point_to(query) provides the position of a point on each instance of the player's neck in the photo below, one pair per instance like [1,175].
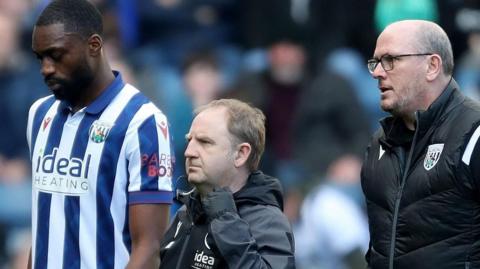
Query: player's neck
[100,83]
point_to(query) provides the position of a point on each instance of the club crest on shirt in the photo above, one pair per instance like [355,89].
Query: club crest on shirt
[99,131]
[433,155]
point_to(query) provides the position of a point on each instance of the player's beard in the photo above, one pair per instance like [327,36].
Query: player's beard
[72,89]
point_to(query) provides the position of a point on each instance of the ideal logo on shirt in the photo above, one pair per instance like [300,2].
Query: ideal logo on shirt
[56,174]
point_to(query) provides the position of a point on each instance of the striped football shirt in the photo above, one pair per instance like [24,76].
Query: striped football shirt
[87,168]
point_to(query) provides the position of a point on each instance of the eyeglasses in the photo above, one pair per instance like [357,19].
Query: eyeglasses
[387,61]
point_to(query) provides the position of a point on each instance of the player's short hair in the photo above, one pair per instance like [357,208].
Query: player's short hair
[77,16]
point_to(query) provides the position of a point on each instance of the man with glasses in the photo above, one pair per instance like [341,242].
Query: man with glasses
[421,174]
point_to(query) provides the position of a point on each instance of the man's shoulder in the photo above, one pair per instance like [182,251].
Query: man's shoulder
[259,213]
[41,100]
[471,107]
[150,105]
[45,102]
[463,117]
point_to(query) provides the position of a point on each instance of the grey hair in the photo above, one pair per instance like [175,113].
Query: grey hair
[246,123]
[433,39]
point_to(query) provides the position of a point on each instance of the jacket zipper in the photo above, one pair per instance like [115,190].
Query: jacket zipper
[184,246]
[398,197]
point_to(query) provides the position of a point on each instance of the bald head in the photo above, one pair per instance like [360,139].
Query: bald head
[425,37]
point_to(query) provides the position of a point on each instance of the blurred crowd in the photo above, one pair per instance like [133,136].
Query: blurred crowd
[303,62]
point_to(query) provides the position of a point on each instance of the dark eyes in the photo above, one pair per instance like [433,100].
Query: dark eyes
[200,140]
[55,56]
[204,141]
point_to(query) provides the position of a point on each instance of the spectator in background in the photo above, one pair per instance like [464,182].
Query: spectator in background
[276,91]
[332,232]
[309,123]
[330,122]
[468,68]
[163,31]
[18,73]
[350,65]
[318,25]
[202,78]
[202,82]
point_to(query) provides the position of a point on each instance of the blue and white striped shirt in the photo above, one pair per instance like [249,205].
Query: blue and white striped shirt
[87,168]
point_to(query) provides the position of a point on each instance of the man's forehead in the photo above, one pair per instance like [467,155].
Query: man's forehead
[210,120]
[50,35]
[393,41]
[55,30]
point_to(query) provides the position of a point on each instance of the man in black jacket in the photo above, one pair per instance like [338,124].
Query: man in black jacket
[421,172]
[233,218]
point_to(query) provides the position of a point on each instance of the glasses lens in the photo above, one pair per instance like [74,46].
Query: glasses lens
[371,64]
[387,62]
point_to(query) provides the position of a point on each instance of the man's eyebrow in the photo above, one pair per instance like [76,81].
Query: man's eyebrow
[49,50]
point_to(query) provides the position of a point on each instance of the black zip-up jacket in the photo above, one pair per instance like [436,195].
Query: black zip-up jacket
[422,188]
[258,236]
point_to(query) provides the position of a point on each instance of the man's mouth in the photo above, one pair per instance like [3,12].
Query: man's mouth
[384,88]
[52,83]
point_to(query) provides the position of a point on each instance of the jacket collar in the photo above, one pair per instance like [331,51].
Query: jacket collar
[259,189]
[395,131]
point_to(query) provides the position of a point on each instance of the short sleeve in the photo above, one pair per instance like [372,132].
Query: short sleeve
[149,161]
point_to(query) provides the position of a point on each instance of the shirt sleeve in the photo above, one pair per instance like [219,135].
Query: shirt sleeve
[149,159]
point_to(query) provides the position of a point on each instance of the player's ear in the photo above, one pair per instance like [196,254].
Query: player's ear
[95,44]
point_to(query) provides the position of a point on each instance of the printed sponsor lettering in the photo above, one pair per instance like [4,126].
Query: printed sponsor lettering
[158,167]
[202,260]
[57,174]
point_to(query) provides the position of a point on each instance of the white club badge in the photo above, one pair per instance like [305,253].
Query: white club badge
[433,155]
[99,131]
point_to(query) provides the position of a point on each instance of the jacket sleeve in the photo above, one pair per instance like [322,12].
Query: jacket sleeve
[471,159]
[261,238]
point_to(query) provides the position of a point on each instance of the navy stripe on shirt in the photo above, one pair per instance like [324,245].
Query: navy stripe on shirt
[148,141]
[106,179]
[71,250]
[44,199]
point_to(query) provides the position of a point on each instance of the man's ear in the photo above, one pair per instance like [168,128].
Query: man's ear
[434,67]
[95,44]
[242,153]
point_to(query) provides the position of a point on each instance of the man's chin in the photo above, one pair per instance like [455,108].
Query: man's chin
[58,92]
[193,179]
[387,106]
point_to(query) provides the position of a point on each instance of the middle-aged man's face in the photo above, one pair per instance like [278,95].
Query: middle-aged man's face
[209,157]
[63,58]
[401,87]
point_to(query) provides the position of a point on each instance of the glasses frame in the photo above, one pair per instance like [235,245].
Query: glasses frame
[387,60]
